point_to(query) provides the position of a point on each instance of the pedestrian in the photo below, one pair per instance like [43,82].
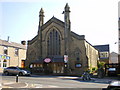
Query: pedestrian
[101,73]
[31,67]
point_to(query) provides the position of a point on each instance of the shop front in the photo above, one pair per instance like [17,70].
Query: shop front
[53,65]
[4,61]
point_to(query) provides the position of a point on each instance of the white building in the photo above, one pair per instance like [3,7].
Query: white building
[113,57]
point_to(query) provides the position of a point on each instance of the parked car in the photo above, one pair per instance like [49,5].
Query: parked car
[112,72]
[114,85]
[16,71]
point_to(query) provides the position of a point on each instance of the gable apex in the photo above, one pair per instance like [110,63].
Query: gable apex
[55,20]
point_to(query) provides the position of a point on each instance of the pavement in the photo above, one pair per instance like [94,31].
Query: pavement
[14,85]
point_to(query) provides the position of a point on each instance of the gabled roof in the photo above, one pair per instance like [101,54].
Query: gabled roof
[12,44]
[33,40]
[61,23]
[55,20]
[80,37]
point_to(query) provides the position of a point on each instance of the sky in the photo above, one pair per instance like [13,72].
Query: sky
[96,19]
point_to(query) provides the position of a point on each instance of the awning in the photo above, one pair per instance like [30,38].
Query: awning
[53,59]
[37,61]
[58,59]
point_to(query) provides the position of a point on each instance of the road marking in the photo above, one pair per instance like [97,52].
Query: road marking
[67,77]
[44,86]
[8,83]
[52,86]
[26,85]
[38,85]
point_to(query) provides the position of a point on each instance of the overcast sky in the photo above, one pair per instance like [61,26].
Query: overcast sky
[96,19]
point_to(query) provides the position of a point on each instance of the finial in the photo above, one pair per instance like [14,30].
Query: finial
[67,8]
[67,5]
[41,12]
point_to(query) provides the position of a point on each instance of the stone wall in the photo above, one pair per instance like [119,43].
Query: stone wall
[92,55]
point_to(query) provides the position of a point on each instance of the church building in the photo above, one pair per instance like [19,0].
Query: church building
[56,49]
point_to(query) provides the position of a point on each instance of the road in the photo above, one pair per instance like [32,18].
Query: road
[54,82]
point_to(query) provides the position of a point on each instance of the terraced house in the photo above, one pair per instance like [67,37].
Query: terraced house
[12,54]
[56,49]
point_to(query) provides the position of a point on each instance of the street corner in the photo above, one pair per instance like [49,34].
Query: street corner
[14,85]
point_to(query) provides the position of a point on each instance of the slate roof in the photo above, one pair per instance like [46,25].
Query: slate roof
[102,48]
[12,44]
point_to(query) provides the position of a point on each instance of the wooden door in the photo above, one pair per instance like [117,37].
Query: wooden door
[23,63]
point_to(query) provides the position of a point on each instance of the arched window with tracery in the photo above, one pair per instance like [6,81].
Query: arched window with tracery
[53,43]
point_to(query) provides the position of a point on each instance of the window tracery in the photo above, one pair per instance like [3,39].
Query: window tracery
[53,43]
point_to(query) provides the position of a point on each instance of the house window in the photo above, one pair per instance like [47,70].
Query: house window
[5,50]
[5,63]
[16,51]
[78,59]
[0,62]
[53,43]
[104,55]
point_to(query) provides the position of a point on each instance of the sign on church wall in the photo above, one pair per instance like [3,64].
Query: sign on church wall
[65,58]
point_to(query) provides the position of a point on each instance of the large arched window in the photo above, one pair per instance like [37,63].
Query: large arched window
[53,43]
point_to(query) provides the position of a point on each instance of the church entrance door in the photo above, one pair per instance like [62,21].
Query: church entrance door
[47,68]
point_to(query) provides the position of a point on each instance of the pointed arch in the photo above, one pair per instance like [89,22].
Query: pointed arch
[49,30]
[53,43]
[78,53]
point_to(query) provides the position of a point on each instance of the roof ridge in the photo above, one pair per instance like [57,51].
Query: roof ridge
[12,44]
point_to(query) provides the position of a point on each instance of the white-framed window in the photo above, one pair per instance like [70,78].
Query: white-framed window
[0,60]
[5,63]
[16,51]
[104,55]
[6,50]
[0,63]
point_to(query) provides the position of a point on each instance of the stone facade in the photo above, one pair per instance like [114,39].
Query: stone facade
[55,39]
[11,54]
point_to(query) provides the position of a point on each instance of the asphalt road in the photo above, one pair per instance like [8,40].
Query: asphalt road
[54,82]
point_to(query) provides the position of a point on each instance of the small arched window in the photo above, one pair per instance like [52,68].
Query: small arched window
[77,54]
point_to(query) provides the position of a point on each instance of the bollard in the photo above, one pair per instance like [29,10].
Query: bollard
[17,78]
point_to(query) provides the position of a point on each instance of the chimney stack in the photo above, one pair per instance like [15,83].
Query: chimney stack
[8,39]
[23,42]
